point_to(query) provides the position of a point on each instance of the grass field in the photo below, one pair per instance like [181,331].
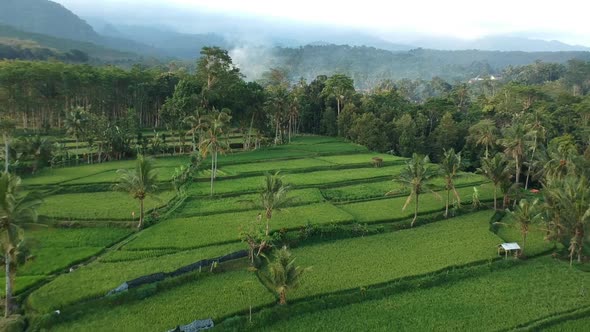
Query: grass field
[203,205]
[99,205]
[391,208]
[184,233]
[361,262]
[578,325]
[55,249]
[537,288]
[317,178]
[208,297]
[98,278]
[333,185]
[378,189]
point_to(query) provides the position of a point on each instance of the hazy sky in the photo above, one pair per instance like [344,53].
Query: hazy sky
[546,19]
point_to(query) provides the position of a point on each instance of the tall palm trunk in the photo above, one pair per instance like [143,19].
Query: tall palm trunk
[249,141]
[448,199]
[140,225]
[77,150]
[495,197]
[268,217]
[415,211]
[8,285]
[528,175]
[517,161]
[212,172]
[282,298]
[6,148]
[524,236]
[580,236]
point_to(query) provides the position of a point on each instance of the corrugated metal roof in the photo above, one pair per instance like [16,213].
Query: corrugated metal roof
[510,246]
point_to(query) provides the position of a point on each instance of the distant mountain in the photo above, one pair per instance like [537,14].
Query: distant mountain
[499,43]
[96,53]
[46,17]
[52,19]
[168,42]
[368,65]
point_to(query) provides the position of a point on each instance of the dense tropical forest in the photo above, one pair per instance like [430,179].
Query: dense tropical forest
[110,109]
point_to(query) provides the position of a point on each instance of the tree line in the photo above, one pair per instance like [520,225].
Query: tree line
[109,108]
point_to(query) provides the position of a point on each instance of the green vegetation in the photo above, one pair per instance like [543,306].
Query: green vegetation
[415,252]
[98,278]
[212,296]
[391,208]
[186,233]
[473,304]
[55,249]
[99,205]
[298,180]
[328,204]
[378,189]
[204,205]
[578,325]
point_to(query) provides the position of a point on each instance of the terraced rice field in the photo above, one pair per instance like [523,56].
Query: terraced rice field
[362,243]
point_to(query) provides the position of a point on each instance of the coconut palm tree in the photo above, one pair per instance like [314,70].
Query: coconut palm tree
[15,210]
[450,166]
[139,182]
[283,274]
[214,142]
[7,127]
[273,196]
[526,214]
[536,132]
[18,257]
[572,195]
[415,176]
[484,133]
[514,143]
[496,170]
[197,125]
[75,123]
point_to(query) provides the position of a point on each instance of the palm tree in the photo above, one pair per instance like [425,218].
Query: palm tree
[537,132]
[283,274]
[572,195]
[18,257]
[526,214]
[7,127]
[213,142]
[196,122]
[139,182]
[450,166]
[514,143]
[496,170]
[273,196]
[75,123]
[415,176]
[277,105]
[484,134]
[15,210]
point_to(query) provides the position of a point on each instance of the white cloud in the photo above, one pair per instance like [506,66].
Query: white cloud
[564,19]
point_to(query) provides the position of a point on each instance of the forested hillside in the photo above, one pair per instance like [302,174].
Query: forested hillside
[368,66]
[96,54]
[46,17]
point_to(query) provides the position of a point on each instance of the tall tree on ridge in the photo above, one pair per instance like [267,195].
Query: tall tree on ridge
[139,182]
[214,141]
[15,211]
[415,176]
[450,165]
